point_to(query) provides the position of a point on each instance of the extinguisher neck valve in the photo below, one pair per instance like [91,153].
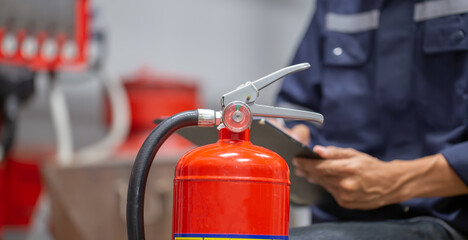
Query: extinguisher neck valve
[226,134]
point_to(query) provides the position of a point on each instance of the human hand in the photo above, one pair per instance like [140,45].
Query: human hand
[301,133]
[355,179]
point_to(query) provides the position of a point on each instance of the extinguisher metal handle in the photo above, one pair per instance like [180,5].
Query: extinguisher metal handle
[273,77]
[249,92]
[287,113]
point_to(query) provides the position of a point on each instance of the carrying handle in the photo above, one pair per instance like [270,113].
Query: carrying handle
[248,93]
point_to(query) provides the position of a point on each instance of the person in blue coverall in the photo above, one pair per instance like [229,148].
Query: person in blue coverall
[391,79]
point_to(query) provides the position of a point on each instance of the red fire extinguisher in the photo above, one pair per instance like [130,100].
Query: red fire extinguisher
[231,189]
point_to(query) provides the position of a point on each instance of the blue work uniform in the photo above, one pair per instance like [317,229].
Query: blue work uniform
[391,79]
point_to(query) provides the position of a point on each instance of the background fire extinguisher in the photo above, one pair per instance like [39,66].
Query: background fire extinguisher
[231,189]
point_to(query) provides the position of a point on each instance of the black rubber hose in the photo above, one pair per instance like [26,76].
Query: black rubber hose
[141,167]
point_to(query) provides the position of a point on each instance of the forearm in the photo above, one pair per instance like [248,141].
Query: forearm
[430,176]
[359,181]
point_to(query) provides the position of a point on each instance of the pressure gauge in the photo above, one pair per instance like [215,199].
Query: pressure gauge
[237,116]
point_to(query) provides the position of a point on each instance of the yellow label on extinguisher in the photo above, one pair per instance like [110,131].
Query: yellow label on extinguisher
[226,237]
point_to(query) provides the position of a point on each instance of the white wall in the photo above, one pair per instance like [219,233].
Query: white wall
[221,42]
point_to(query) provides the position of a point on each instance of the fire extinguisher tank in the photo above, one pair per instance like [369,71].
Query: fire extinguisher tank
[231,189]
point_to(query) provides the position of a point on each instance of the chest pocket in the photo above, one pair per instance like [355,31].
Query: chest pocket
[446,34]
[346,82]
[348,38]
[342,49]
[441,92]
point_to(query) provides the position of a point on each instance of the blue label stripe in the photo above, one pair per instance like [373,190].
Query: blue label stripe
[229,236]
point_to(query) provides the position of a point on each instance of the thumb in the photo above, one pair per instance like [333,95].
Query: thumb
[301,133]
[332,152]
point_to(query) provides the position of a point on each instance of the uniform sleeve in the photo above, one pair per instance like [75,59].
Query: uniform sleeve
[302,90]
[457,157]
